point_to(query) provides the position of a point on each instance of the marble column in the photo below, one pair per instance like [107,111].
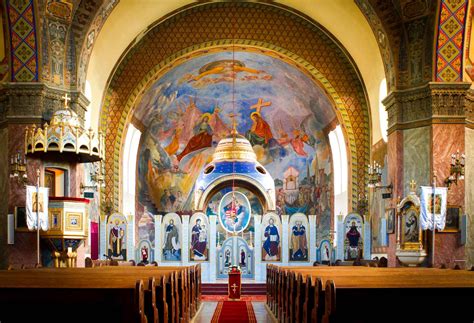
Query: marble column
[260,272]
[285,240]
[212,250]
[185,240]
[469,197]
[312,239]
[158,248]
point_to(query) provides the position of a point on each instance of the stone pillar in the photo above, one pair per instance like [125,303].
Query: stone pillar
[212,249]
[260,272]
[158,248]
[285,240]
[312,238]
[185,240]
[426,125]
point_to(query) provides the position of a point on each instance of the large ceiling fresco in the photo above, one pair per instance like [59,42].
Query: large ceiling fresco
[276,106]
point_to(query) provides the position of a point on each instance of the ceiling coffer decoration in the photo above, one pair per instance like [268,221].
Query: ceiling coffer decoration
[65,136]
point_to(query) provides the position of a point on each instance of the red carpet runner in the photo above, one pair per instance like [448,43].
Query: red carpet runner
[234,311]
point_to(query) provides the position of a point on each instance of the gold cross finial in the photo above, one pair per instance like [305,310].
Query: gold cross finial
[412,186]
[260,104]
[66,99]
[234,124]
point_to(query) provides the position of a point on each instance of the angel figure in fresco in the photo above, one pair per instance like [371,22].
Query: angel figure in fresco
[228,68]
[299,244]
[202,137]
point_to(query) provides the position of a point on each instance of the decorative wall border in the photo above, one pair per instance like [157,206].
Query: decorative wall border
[450,40]
[23,41]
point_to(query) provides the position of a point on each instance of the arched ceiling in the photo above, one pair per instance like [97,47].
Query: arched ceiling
[132,19]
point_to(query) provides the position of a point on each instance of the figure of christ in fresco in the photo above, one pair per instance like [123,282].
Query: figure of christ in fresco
[260,133]
[299,244]
[202,137]
[353,235]
[116,240]
[198,241]
[171,247]
[272,241]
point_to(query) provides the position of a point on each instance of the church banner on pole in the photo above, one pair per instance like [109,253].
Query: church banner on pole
[440,197]
[34,209]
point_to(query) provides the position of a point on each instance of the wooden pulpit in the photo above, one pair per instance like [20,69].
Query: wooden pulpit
[234,283]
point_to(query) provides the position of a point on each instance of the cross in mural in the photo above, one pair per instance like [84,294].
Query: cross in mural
[260,104]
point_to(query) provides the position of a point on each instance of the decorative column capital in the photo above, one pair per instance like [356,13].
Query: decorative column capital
[433,103]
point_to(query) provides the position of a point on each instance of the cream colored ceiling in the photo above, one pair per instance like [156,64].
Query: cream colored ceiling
[130,19]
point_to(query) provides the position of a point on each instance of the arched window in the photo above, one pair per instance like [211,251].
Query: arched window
[341,178]
[129,166]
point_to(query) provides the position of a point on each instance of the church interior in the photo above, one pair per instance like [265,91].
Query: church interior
[247,161]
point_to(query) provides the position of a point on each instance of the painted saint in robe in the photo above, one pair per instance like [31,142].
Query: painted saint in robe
[272,241]
[260,133]
[171,248]
[353,235]
[116,240]
[199,241]
[299,244]
[227,258]
[202,137]
[242,258]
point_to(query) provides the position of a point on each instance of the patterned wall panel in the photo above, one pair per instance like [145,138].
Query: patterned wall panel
[206,23]
[450,39]
[23,42]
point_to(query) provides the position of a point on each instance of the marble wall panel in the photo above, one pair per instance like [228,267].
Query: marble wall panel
[4,186]
[395,176]
[448,139]
[416,157]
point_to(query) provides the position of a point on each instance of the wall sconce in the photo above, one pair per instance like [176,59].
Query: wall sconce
[456,171]
[18,168]
[375,174]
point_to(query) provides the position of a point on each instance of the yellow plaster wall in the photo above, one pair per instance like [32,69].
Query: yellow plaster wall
[131,18]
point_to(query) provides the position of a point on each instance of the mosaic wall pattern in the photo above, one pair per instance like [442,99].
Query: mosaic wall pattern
[247,22]
[23,42]
[449,49]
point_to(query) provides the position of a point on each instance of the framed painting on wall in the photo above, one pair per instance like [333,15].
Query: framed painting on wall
[390,215]
[453,214]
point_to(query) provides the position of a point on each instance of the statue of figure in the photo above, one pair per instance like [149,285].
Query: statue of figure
[227,258]
[144,251]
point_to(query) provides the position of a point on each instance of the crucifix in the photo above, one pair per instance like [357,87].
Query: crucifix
[234,287]
[260,104]
[412,186]
[66,99]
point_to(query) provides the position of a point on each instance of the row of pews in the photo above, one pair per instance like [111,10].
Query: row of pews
[108,294]
[366,294]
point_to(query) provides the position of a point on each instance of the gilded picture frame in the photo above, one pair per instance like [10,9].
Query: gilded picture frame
[411,233]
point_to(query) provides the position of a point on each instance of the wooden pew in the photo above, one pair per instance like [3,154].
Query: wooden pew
[32,295]
[356,277]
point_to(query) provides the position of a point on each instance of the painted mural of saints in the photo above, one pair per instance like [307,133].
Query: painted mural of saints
[116,240]
[171,248]
[272,241]
[202,137]
[260,133]
[299,244]
[199,241]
